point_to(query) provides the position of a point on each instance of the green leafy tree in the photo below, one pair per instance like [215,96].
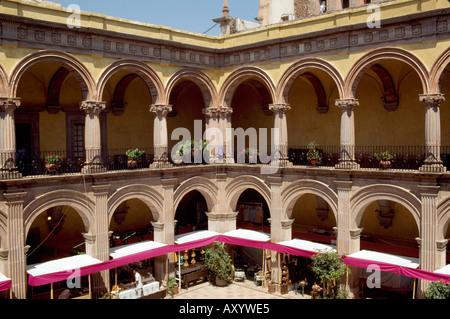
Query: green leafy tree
[438,290]
[218,262]
[328,267]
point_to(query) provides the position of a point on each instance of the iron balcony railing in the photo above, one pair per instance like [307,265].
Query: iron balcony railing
[403,158]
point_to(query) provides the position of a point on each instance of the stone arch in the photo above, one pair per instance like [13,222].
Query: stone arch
[203,185]
[238,185]
[75,66]
[238,77]
[371,58]
[443,217]
[302,67]
[145,72]
[205,84]
[294,191]
[369,194]
[81,203]
[3,81]
[437,71]
[147,194]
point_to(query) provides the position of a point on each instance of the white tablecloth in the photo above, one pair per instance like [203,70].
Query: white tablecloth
[148,289]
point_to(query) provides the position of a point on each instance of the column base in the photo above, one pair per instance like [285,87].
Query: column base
[161,164]
[93,169]
[433,168]
[347,165]
[10,174]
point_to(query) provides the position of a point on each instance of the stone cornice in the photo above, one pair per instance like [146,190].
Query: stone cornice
[416,28]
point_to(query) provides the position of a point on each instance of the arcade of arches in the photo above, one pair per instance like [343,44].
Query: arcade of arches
[90,105]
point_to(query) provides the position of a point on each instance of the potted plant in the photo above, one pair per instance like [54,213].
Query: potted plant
[218,262]
[313,155]
[53,162]
[172,286]
[384,159]
[251,154]
[133,155]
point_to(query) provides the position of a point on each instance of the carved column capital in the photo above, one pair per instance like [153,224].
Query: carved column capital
[281,108]
[347,104]
[160,109]
[211,112]
[225,111]
[432,100]
[92,107]
[9,105]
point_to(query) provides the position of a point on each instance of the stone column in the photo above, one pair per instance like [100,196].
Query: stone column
[8,168]
[347,152]
[160,135]
[16,243]
[212,115]
[225,126]
[344,222]
[101,282]
[280,124]
[428,241]
[92,136]
[276,227]
[164,231]
[433,162]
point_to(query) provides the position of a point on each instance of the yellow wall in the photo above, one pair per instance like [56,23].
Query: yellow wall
[189,106]
[374,125]
[139,217]
[134,128]
[403,224]
[305,216]
[305,123]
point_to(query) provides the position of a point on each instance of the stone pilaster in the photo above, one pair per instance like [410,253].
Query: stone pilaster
[347,152]
[212,117]
[428,240]
[160,135]
[16,243]
[280,124]
[433,162]
[344,221]
[101,282]
[276,221]
[222,222]
[164,231]
[92,136]
[8,165]
[225,126]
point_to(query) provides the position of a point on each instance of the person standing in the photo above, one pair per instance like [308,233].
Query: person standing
[138,283]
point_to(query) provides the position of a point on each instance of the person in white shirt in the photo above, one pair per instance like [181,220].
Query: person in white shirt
[138,283]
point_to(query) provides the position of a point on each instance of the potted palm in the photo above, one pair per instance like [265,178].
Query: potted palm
[133,156]
[172,286]
[313,155]
[218,262]
[53,162]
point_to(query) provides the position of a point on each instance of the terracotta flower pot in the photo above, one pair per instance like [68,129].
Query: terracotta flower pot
[52,167]
[385,164]
[132,163]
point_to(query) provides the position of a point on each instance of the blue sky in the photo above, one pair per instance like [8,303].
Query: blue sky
[194,15]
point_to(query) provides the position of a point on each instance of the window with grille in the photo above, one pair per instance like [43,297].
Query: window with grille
[78,140]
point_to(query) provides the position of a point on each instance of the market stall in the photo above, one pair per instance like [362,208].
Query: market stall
[134,254]
[64,269]
[5,283]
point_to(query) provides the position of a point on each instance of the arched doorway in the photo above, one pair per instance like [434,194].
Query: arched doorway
[253,211]
[314,220]
[49,120]
[131,223]
[56,233]
[191,213]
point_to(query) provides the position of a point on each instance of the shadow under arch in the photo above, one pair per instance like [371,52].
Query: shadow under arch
[147,194]
[386,53]
[71,63]
[294,191]
[362,198]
